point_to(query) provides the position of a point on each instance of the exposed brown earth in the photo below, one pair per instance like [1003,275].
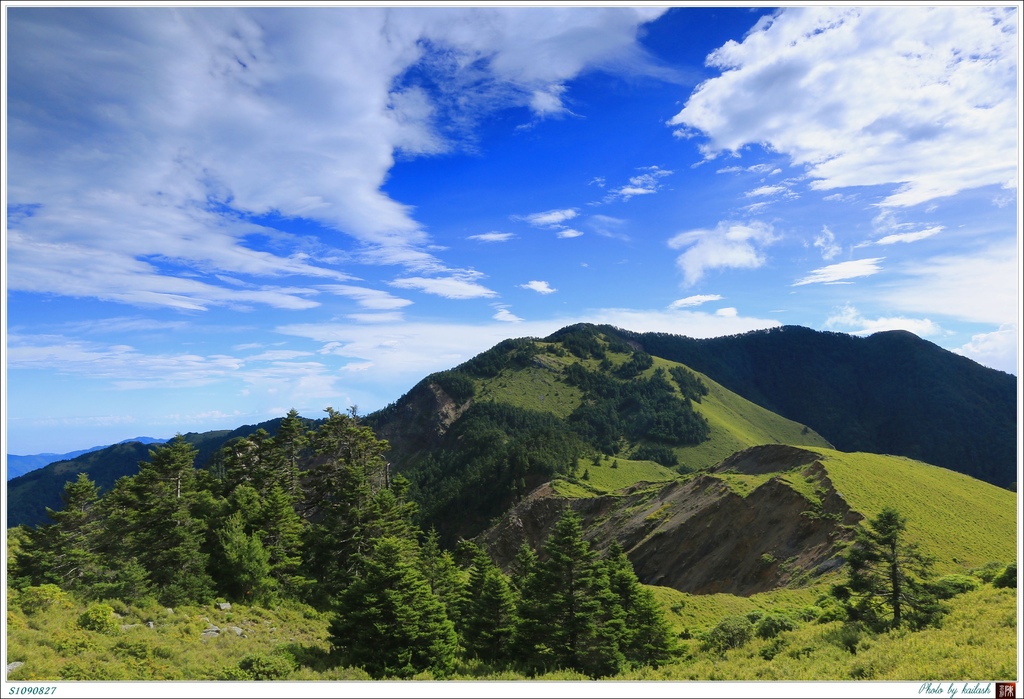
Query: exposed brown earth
[698,535]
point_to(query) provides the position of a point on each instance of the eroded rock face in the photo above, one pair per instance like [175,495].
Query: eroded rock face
[700,536]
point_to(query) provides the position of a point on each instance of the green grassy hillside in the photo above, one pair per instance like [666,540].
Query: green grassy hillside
[962,521]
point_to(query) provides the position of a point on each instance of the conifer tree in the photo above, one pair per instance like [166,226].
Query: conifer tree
[647,639]
[885,587]
[150,517]
[569,616]
[248,562]
[489,616]
[388,621]
[443,576]
[66,552]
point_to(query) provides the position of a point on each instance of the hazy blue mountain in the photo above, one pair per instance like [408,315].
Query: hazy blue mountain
[19,465]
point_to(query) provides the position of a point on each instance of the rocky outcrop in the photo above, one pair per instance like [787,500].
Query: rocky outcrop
[701,536]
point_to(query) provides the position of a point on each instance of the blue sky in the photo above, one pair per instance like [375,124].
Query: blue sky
[215,215]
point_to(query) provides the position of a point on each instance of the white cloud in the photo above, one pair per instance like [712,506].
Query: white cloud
[728,312]
[979,285]
[492,237]
[996,349]
[454,287]
[920,98]
[369,298]
[850,320]
[549,219]
[506,316]
[647,182]
[729,245]
[607,226]
[842,271]
[173,128]
[827,242]
[538,286]
[767,190]
[568,233]
[691,301]
[909,237]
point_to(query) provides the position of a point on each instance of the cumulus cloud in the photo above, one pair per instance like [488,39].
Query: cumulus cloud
[849,319]
[568,233]
[155,144]
[729,245]
[538,286]
[996,349]
[839,273]
[691,301]
[922,99]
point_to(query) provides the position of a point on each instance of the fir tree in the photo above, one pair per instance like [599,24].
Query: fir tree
[489,618]
[388,621]
[647,638]
[885,587]
[65,552]
[569,616]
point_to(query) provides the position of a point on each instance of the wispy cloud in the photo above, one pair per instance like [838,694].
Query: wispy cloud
[826,242]
[506,316]
[909,237]
[549,219]
[538,286]
[729,245]
[452,287]
[647,182]
[841,272]
[492,237]
[922,99]
[691,301]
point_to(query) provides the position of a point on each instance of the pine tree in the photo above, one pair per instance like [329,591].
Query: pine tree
[348,471]
[489,617]
[885,587]
[647,639]
[248,562]
[150,517]
[66,552]
[443,576]
[388,621]
[290,443]
[569,616]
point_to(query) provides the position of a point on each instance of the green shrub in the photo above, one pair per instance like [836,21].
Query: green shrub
[848,636]
[988,572]
[1008,578]
[43,597]
[261,666]
[772,648]
[949,586]
[771,625]
[99,618]
[731,632]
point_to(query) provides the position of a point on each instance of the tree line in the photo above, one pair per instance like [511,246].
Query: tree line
[317,516]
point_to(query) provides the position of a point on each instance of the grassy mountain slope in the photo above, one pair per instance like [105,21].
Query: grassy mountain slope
[773,516]
[477,438]
[889,393]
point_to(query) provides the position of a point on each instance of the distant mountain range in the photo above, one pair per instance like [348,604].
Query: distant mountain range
[19,465]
